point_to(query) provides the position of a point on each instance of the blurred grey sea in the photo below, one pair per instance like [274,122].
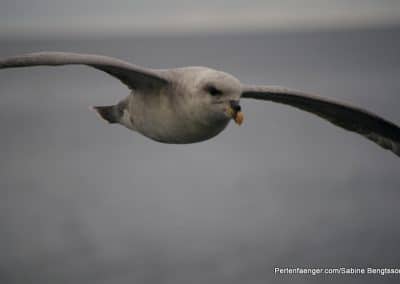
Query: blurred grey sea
[86,202]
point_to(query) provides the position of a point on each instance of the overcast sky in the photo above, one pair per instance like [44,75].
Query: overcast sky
[58,17]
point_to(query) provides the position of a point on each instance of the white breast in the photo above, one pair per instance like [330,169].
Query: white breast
[163,119]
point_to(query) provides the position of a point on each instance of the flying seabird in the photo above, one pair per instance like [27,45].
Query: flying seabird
[193,104]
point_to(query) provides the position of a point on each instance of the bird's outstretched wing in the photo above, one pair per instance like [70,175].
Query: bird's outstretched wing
[373,127]
[133,76]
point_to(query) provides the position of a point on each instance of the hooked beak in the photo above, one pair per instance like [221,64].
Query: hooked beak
[235,111]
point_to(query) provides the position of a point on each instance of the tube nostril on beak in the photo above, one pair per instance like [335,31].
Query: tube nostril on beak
[235,106]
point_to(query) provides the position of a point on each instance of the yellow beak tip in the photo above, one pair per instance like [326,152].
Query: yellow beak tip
[239,118]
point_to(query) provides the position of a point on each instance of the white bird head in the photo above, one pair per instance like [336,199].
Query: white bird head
[212,96]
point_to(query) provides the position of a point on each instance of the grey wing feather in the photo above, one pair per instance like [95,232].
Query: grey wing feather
[133,76]
[383,132]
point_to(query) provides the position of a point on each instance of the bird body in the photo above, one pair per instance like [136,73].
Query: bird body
[179,113]
[193,104]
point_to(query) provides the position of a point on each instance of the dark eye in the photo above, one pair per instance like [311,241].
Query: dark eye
[213,91]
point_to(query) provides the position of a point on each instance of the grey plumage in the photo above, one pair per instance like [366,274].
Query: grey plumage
[109,113]
[352,118]
[192,104]
[131,75]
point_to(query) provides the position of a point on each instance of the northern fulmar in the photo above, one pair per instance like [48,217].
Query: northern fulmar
[193,104]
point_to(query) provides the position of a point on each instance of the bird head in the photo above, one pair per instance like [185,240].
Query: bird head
[216,96]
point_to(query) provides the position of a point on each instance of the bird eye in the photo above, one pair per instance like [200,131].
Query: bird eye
[213,91]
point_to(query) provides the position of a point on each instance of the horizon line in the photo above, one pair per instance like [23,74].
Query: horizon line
[154,33]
